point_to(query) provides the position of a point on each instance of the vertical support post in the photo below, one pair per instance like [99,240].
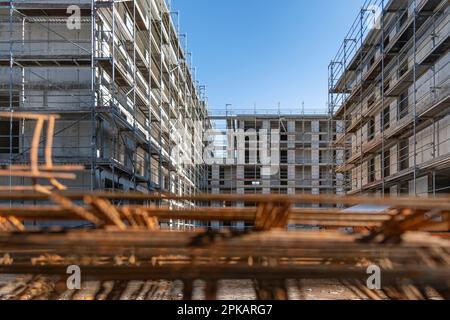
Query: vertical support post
[170,101]
[113,93]
[415,95]
[134,154]
[149,107]
[382,166]
[332,151]
[160,177]
[360,70]
[434,183]
[93,92]
[11,85]
[344,122]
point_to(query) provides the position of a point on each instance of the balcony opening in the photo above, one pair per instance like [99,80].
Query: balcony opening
[372,61]
[387,163]
[283,156]
[386,118]
[403,155]
[403,19]
[110,186]
[371,129]
[403,69]
[403,105]
[371,169]
[387,41]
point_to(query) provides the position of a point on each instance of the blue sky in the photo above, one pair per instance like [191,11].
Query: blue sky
[265,52]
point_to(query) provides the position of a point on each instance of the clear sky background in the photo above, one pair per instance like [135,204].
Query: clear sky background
[265,52]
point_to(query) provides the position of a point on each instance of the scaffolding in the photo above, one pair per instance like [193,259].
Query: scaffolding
[298,144]
[389,94]
[132,111]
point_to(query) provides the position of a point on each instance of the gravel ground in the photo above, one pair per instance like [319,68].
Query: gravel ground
[28,287]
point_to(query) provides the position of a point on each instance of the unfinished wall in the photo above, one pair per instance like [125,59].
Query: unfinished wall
[397,104]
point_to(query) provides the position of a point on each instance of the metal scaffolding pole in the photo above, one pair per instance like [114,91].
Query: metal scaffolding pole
[360,71]
[149,97]
[11,84]
[134,154]
[161,84]
[113,94]
[415,97]
[93,92]
[383,53]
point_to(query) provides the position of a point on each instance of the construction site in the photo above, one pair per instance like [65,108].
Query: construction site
[389,89]
[131,111]
[111,163]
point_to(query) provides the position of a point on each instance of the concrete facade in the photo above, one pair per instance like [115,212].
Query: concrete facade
[301,159]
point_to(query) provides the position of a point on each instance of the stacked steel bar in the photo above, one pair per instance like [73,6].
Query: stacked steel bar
[126,242]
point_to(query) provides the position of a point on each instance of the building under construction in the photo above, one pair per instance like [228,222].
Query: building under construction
[107,91]
[389,91]
[133,113]
[120,76]
[270,152]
